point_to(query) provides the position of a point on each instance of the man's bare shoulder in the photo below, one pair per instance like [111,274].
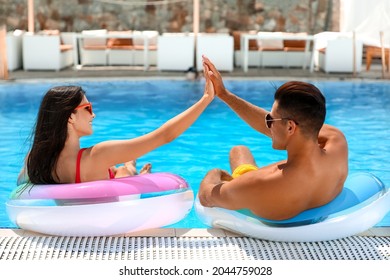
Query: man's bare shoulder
[331,131]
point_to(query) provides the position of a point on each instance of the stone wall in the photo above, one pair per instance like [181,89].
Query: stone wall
[310,16]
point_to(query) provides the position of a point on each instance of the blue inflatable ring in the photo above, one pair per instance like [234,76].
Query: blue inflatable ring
[363,202]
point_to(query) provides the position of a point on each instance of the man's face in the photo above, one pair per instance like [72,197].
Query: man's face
[278,129]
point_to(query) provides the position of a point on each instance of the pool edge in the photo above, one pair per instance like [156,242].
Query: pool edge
[184,232]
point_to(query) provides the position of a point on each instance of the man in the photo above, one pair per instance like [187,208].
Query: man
[317,155]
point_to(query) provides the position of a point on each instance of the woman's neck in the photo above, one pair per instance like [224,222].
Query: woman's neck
[72,143]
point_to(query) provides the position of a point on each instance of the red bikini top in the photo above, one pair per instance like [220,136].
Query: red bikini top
[77,179]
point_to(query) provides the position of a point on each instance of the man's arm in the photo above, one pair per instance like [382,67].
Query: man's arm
[251,114]
[209,191]
[331,138]
[265,196]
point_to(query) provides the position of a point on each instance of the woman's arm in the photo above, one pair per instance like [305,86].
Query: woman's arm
[251,114]
[119,151]
[23,176]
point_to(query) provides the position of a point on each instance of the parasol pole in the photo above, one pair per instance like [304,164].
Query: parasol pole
[388,57]
[3,53]
[195,27]
[382,54]
[30,15]
[354,53]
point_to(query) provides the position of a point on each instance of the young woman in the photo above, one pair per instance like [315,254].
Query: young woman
[66,115]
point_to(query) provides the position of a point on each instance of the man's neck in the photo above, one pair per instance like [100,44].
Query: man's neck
[302,150]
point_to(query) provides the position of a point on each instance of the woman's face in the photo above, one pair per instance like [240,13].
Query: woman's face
[83,118]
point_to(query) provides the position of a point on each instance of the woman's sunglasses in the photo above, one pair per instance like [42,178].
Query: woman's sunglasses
[87,106]
[269,120]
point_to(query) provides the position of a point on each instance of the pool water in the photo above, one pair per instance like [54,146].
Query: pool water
[127,109]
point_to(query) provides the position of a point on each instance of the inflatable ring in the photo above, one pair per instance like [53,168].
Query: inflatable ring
[363,202]
[99,208]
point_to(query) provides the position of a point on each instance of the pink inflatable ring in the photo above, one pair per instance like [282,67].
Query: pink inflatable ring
[100,208]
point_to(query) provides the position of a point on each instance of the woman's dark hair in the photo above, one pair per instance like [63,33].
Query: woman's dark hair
[51,132]
[303,103]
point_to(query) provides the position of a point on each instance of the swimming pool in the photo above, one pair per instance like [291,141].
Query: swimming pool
[126,109]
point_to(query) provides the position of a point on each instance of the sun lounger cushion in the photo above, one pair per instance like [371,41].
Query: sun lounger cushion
[94,43]
[120,43]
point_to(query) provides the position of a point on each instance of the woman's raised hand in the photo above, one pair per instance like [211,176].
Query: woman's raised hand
[214,75]
[209,91]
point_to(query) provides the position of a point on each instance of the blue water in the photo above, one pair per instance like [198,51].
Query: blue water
[127,109]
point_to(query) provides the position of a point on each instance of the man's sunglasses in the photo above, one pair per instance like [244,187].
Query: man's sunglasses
[269,120]
[87,106]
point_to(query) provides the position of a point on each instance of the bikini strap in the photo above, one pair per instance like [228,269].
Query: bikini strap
[111,174]
[78,180]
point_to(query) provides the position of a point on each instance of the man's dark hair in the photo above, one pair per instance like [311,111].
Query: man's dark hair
[304,103]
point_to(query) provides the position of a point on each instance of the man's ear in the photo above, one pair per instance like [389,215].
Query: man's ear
[291,127]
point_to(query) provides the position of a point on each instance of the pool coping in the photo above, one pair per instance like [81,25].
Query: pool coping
[184,232]
[178,78]
[191,244]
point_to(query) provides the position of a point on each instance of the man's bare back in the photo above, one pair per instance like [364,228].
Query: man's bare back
[312,175]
